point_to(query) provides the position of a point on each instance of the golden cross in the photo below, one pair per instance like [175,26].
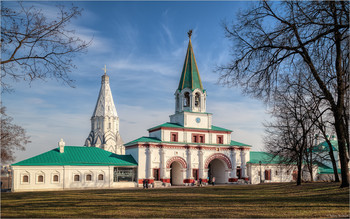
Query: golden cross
[105,69]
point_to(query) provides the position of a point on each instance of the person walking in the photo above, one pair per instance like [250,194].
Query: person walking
[144,184]
[200,182]
[213,181]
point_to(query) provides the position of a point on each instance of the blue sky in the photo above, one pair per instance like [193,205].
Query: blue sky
[143,45]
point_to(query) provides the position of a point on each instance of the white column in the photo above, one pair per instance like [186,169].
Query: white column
[149,163]
[244,167]
[189,164]
[234,163]
[162,164]
[200,164]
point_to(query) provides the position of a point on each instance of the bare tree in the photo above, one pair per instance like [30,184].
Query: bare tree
[33,46]
[273,39]
[12,137]
[290,135]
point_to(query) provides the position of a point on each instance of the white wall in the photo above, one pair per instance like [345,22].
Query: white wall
[66,178]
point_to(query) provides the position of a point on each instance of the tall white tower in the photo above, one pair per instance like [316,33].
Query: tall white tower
[105,122]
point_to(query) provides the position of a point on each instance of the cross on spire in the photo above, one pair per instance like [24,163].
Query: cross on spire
[105,69]
[189,33]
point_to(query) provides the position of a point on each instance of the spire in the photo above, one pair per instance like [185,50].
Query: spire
[190,77]
[105,104]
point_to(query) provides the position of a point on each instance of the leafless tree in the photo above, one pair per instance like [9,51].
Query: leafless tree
[12,137]
[290,135]
[274,39]
[34,46]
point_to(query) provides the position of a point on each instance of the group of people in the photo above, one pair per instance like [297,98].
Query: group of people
[145,183]
[200,181]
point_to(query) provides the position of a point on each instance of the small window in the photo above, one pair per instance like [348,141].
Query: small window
[25,178]
[109,125]
[174,136]
[55,178]
[88,177]
[287,172]
[201,138]
[100,177]
[276,173]
[40,178]
[76,178]
[220,139]
[195,139]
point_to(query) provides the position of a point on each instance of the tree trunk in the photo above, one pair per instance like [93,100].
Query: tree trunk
[334,164]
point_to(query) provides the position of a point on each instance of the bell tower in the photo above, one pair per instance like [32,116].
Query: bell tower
[190,97]
[105,121]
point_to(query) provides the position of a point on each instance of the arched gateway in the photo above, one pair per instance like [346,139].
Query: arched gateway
[218,166]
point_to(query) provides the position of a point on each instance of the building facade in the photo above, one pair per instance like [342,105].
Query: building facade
[189,147]
[72,167]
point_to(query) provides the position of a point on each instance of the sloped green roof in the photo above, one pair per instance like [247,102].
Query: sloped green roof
[156,140]
[325,170]
[144,139]
[324,147]
[190,77]
[78,156]
[264,157]
[236,143]
[175,125]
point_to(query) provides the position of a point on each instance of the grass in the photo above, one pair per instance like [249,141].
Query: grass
[266,200]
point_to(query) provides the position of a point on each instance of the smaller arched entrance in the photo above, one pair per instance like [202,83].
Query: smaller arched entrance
[177,166]
[176,174]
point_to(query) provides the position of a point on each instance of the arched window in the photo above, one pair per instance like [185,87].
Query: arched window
[100,177]
[88,177]
[55,178]
[40,178]
[76,178]
[197,100]
[109,125]
[25,178]
[187,99]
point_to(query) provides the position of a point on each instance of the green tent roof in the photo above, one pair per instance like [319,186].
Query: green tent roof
[175,125]
[78,156]
[190,77]
[264,157]
[156,140]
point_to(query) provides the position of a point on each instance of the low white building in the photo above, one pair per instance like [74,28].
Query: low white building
[72,167]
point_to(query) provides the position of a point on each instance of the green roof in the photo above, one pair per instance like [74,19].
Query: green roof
[264,157]
[78,156]
[325,170]
[236,143]
[324,147]
[156,140]
[190,77]
[175,125]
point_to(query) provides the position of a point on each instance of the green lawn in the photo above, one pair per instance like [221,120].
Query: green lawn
[267,200]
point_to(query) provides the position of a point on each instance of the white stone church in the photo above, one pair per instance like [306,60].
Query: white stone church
[179,152]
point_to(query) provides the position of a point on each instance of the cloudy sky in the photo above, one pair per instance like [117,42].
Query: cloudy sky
[143,45]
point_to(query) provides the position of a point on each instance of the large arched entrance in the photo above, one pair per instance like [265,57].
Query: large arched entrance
[176,174]
[216,168]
